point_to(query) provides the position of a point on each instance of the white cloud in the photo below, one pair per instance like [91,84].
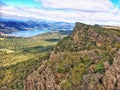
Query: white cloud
[102,12]
[89,5]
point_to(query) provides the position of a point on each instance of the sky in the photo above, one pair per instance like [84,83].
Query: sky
[103,12]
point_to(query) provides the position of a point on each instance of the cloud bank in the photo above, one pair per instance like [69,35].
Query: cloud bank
[86,11]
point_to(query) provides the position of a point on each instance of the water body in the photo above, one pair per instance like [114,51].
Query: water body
[28,33]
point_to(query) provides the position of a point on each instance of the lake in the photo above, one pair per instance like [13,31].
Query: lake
[28,33]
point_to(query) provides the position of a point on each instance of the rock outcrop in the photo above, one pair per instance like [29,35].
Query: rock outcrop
[109,81]
[111,78]
[44,79]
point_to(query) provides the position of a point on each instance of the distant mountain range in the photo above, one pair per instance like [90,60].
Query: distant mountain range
[9,26]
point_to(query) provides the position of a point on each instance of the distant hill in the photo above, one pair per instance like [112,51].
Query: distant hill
[11,26]
[107,26]
[113,27]
[88,59]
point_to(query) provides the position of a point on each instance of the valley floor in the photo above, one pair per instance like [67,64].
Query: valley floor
[21,56]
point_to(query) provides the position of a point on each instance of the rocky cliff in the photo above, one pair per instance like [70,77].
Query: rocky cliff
[110,80]
[88,59]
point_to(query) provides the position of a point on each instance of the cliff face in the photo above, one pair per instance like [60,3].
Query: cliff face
[44,79]
[110,80]
[88,59]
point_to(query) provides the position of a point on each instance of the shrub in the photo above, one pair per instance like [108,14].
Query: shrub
[62,68]
[100,68]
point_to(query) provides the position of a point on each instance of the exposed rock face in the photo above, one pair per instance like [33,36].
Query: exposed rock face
[109,81]
[81,61]
[92,82]
[45,80]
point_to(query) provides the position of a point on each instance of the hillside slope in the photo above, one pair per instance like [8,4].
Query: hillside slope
[20,56]
[88,59]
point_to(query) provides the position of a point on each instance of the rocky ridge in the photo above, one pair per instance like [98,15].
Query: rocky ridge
[88,59]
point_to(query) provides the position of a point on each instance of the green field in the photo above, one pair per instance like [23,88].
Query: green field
[21,56]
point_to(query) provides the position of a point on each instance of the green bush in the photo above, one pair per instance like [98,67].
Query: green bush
[62,68]
[100,68]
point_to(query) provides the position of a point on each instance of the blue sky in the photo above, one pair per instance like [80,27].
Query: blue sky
[116,2]
[22,3]
[86,11]
[34,3]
